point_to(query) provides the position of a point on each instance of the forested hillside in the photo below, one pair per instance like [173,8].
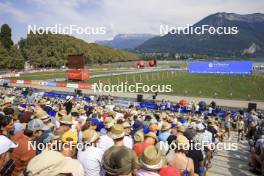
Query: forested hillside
[51,50]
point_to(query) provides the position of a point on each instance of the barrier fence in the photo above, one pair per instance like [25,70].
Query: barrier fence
[49,83]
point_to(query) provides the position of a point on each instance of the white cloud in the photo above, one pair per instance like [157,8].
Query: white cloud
[125,16]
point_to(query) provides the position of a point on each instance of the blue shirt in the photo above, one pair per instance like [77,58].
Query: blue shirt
[164,136]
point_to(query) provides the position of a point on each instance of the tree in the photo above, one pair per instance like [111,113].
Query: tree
[3,56]
[5,36]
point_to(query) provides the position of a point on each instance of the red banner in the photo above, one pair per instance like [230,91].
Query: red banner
[84,86]
[80,74]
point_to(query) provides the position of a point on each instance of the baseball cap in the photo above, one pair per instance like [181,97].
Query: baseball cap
[6,144]
[35,125]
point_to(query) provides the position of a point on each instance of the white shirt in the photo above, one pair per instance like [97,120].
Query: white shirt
[105,142]
[91,160]
[128,142]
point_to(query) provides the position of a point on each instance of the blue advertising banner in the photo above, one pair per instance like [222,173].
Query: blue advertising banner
[235,67]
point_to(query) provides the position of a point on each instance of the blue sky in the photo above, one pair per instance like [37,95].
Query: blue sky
[117,16]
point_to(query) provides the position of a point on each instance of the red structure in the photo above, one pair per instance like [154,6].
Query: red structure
[78,74]
[152,63]
[140,64]
[76,69]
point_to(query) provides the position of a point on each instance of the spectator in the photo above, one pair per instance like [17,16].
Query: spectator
[165,131]
[6,163]
[128,141]
[149,139]
[151,161]
[178,158]
[91,156]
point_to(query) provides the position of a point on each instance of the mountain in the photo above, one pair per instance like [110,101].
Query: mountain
[249,41]
[126,41]
[47,50]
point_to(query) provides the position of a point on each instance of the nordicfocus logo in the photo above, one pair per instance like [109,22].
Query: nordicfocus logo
[198,30]
[68,30]
[138,87]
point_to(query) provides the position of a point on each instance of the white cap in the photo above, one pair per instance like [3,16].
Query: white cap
[6,144]
[68,98]
[200,127]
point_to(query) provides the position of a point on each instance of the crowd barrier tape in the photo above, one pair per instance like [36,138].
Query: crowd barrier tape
[124,103]
[70,85]
[61,84]
[20,81]
[49,83]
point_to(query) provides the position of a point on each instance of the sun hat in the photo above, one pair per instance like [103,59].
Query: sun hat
[51,162]
[90,135]
[66,119]
[165,126]
[152,159]
[70,137]
[153,127]
[181,129]
[126,125]
[189,134]
[139,136]
[152,135]
[117,131]
[82,111]
[182,142]
[168,170]
[6,144]
[119,161]
[194,118]
[62,112]
[35,125]
[42,115]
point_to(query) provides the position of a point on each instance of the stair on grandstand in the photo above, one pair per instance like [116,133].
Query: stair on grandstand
[229,163]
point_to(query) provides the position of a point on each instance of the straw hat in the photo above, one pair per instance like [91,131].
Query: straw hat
[70,137]
[152,135]
[82,111]
[66,119]
[211,121]
[194,118]
[181,129]
[126,125]
[62,112]
[182,142]
[90,136]
[51,162]
[139,136]
[117,132]
[151,159]
[165,126]
[42,115]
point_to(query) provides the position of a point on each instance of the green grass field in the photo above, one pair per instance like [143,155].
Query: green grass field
[218,86]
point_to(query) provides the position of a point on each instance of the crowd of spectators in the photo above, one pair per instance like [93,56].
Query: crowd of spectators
[43,136]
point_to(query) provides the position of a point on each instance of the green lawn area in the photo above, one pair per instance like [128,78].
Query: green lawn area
[219,86]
